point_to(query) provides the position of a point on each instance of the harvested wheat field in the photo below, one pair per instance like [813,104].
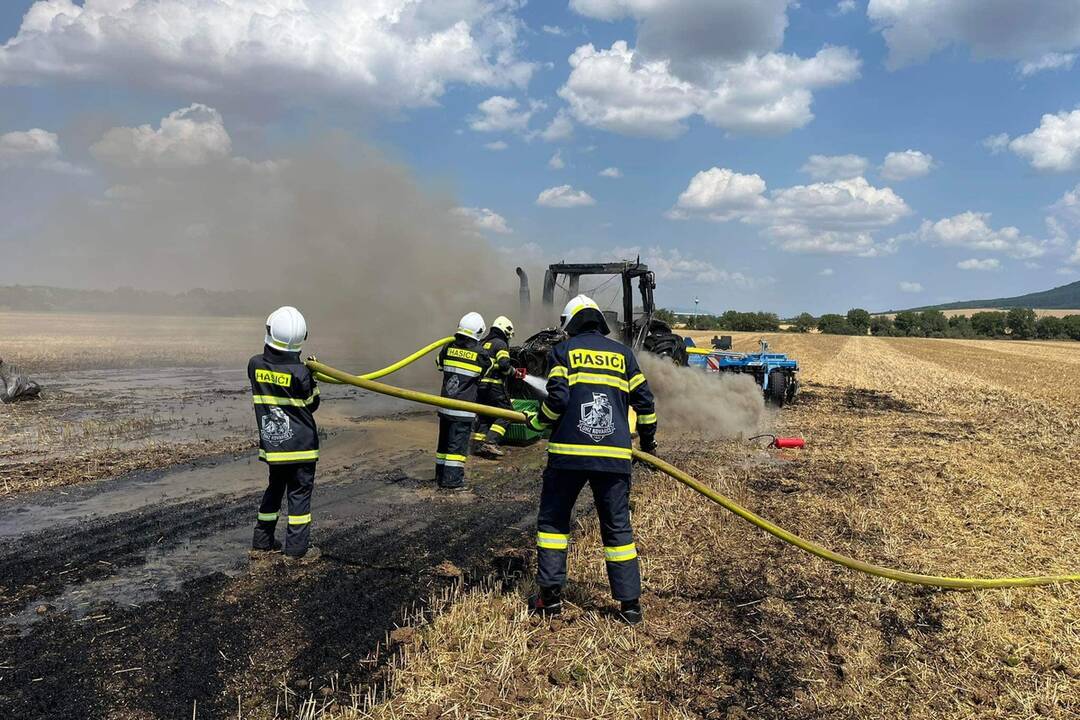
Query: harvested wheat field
[940,457]
[137,600]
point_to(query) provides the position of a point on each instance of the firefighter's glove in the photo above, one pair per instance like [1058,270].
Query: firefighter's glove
[532,421]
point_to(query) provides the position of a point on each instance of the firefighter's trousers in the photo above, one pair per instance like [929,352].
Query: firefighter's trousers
[489,429]
[298,480]
[611,493]
[455,434]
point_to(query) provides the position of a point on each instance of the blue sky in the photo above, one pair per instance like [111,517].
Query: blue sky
[710,110]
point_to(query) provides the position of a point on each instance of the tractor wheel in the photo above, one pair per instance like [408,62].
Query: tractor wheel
[777,393]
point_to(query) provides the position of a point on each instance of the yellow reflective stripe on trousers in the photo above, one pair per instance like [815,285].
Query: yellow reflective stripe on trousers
[450,456]
[479,436]
[300,519]
[552,541]
[498,429]
[297,456]
[620,553]
[275,400]
[267,517]
[492,381]
[649,419]
[636,380]
[548,412]
[593,379]
[558,371]
[590,451]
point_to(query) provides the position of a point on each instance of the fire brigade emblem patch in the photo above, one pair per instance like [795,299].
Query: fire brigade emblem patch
[276,427]
[597,418]
[453,384]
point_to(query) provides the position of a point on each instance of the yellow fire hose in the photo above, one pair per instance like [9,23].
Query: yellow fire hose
[774,530]
[375,375]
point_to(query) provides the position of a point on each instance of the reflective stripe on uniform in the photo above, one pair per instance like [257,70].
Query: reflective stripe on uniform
[479,436]
[636,381]
[498,429]
[649,419]
[590,451]
[492,381]
[502,354]
[469,368]
[557,371]
[552,541]
[594,379]
[275,400]
[463,414]
[296,456]
[548,412]
[300,519]
[267,517]
[620,553]
[450,460]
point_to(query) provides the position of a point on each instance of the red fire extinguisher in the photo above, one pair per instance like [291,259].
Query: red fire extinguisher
[782,442]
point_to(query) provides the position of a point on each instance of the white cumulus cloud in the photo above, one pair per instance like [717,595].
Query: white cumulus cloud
[972,230]
[483,219]
[35,149]
[1054,146]
[619,91]
[501,114]
[910,287]
[976,264]
[391,53]
[996,143]
[837,217]
[559,129]
[906,165]
[611,172]
[835,167]
[188,137]
[564,196]
[556,162]
[916,29]
[496,146]
[826,272]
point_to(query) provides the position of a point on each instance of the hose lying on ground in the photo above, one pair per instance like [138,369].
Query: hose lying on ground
[774,530]
[408,360]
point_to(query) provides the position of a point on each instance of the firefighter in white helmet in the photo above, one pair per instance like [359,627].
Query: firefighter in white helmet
[592,384]
[463,363]
[493,387]
[285,397]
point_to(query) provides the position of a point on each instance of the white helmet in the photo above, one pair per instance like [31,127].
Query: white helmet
[576,305]
[286,329]
[472,326]
[503,323]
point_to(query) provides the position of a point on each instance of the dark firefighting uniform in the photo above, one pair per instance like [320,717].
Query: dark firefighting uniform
[285,396]
[463,363]
[493,388]
[592,383]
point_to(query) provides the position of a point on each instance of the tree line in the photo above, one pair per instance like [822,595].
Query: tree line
[1018,323]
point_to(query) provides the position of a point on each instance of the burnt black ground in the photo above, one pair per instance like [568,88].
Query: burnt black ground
[257,626]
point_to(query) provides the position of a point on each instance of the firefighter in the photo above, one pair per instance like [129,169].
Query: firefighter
[493,387]
[463,363]
[591,386]
[286,397]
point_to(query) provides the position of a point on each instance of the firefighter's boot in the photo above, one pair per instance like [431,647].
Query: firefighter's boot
[630,612]
[547,602]
[490,451]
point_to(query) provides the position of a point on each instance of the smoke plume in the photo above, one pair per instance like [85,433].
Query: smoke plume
[379,264]
[707,404]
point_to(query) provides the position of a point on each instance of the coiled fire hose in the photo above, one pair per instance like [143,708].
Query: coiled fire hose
[813,548]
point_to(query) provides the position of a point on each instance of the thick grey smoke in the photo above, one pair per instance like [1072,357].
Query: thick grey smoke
[378,263]
[711,405]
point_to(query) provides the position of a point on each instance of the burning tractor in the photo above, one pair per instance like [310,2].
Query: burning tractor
[640,329]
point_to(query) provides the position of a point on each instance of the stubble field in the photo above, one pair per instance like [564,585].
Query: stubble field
[936,456]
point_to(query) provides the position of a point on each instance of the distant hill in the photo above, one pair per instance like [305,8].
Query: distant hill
[1063,297]
[38,298]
